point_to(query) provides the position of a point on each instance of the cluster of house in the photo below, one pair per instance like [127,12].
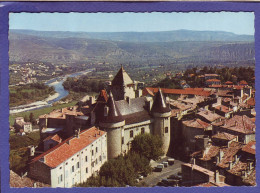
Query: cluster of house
[215,128]
[21,127]
[76,141]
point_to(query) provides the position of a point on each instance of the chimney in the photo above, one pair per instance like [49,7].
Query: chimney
[106,109]
[77,133]
[236,158]
[250,166]
[138,93]
[230,165]
[128,100]
[221,154]
[217,176]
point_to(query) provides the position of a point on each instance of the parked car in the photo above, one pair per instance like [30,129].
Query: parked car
[175,177]
[171,161]
[159,168]
[165,164]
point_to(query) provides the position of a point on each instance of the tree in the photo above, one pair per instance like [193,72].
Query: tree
[148,145]
[32,119]
[26,119]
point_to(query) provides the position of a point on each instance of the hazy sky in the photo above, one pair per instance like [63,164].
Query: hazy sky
[236,22]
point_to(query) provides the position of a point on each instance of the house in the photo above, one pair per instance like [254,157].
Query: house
[242,126]
[194,175]
[192,128]
[72,161]
[19,124]
[211,76]
[211,82]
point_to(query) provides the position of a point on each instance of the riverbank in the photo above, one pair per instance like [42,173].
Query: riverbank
[47,102]
[38,112]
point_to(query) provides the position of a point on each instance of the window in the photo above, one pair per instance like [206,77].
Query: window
[96,161]
[86,158]
[60,168]
[77,164]
[100,158]
[60,179]
[96,149]
[78,155]
[86,170]
[123,141]
[131,133]
[166,129]
[142,130]
[92,152]
[72,169]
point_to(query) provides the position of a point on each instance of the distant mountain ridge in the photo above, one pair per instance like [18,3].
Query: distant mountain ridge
[157,36]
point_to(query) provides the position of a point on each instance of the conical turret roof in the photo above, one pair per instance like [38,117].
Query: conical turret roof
[122,78]
[113,115]
[159,104]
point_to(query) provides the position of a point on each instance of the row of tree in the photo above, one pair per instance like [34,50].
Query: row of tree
[83,84]
[124,170]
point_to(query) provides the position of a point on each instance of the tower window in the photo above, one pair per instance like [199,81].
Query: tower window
[131,134]
[142,130]
[166,129]
[123,141]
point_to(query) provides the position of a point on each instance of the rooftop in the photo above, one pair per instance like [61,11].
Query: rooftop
[250,147]
[62,152]
[224,136]
[210,116]
[196,123]
[213,80]
[241,124]
[186,91]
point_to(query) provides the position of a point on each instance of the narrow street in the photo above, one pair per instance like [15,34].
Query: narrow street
[156,177]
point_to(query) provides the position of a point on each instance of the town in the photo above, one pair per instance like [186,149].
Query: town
[206,130]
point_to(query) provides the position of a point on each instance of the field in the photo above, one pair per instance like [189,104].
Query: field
[39,112]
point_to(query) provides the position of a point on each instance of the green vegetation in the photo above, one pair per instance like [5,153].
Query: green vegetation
[18,150]
[38,112]
[124,170]
[226,74]
[20,95]
[150,146]
[234,75]
[83,84]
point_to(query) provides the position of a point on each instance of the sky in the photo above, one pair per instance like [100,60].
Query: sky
[236,22]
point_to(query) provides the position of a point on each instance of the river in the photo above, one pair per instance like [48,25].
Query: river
[60,93]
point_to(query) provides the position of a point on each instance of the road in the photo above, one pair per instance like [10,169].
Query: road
[155,177]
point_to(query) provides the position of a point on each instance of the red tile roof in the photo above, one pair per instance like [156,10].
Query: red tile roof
[229,82]
[229,154]
[224,108]
[251,102]
[241,124]
[69,147]
[187,91]
[250,147]
[102,96]
[55,137]
[213,80]
[196,123]
[224,135]
[211,153]
[243,82]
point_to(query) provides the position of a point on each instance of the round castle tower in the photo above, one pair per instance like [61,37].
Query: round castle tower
[161,113]
[113,123]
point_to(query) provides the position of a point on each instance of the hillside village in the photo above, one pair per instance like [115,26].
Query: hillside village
[211,129]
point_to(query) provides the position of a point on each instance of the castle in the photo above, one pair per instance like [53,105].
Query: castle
[120,111]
